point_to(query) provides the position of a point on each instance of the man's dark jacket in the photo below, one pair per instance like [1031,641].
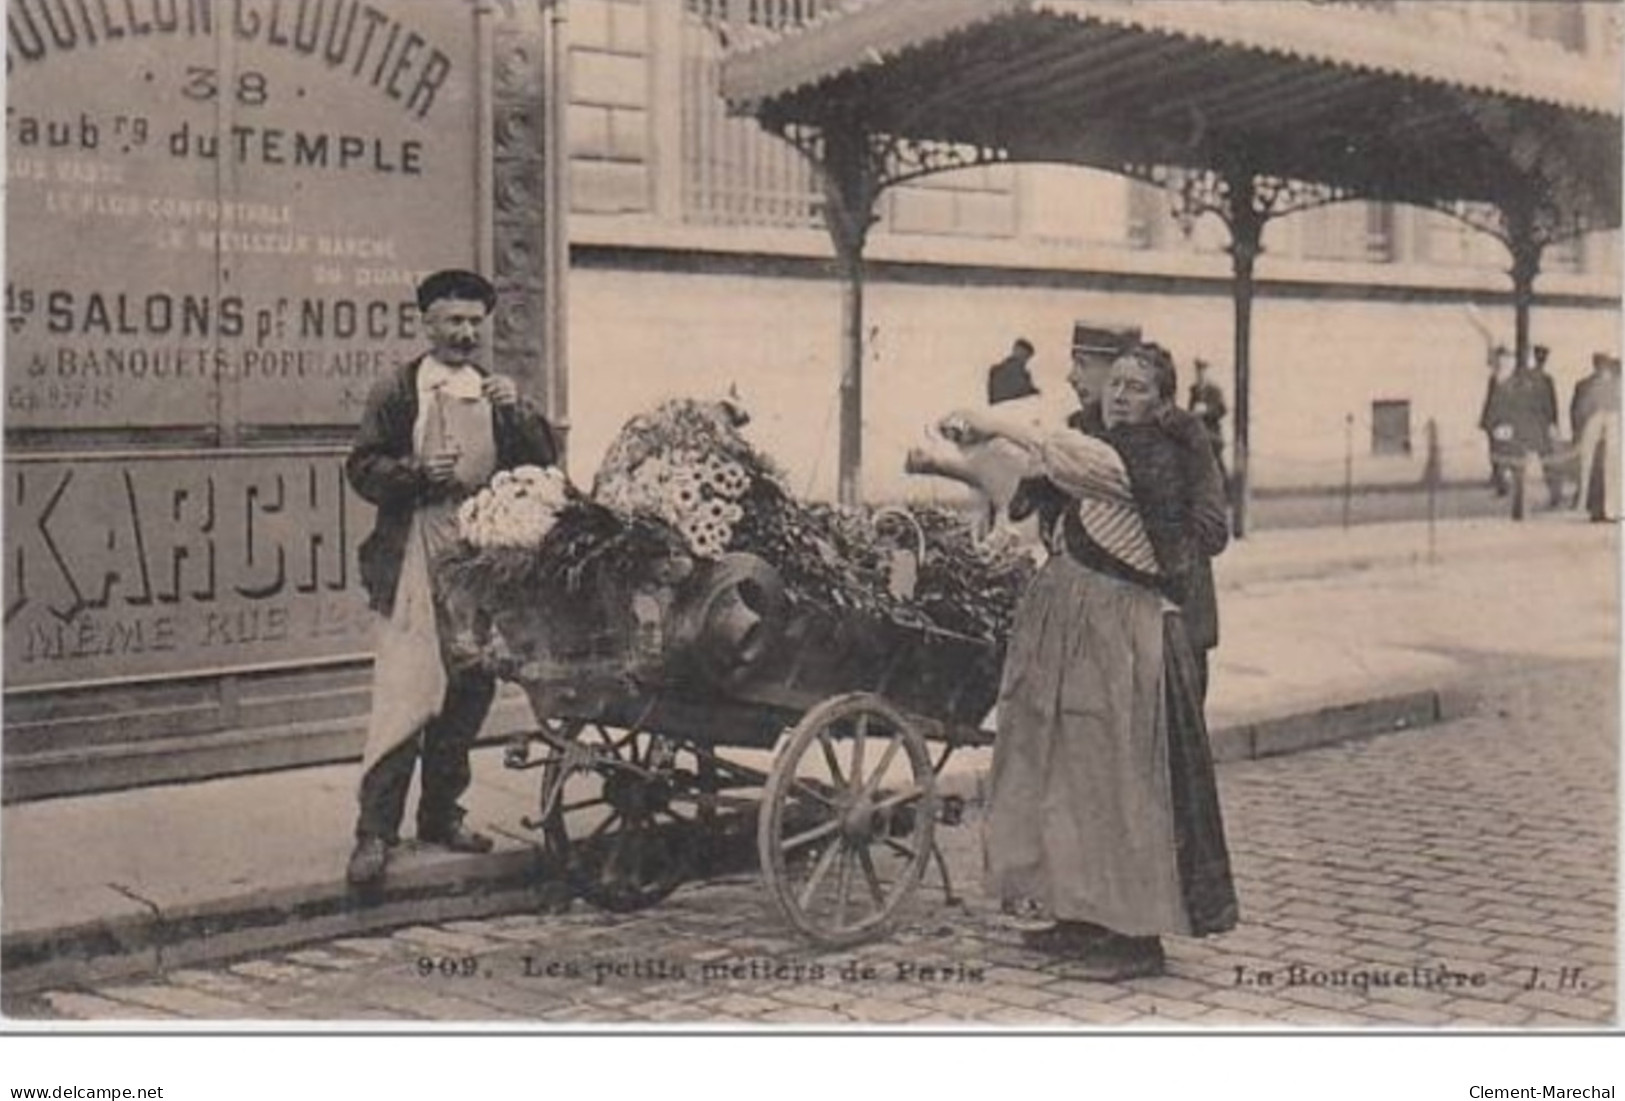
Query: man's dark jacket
[1526,401]
[1209,394]
[384,471]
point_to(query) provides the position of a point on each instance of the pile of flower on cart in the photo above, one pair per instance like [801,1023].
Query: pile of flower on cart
[681,485]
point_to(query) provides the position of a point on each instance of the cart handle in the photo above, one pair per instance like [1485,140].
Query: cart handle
[898,511]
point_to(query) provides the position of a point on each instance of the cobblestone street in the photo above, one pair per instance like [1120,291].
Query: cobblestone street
[1457,875]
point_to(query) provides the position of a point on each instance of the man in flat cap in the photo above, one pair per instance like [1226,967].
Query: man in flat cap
[433,431]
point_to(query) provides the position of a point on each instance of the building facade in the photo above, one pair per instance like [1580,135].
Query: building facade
[700,262]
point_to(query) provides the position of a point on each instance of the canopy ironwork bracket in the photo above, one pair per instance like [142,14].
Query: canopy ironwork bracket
[1245,202]
[854,165]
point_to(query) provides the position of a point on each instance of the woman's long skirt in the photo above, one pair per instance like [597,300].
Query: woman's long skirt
[1103,806]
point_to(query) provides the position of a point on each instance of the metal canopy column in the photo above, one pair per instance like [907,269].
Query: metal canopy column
[1246,223]
[1245,202]
[1526,248]
[851,184]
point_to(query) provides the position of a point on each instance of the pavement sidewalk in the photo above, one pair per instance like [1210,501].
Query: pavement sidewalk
[1328,634]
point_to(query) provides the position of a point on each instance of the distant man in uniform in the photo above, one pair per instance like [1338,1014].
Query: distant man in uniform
[1519,414]
[1543,399]
[1011,378]
[434,430]
[1207,405]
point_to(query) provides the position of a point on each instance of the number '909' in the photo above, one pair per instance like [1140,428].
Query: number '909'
[448,967]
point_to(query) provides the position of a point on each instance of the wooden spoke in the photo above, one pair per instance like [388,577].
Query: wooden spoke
[872,877]
[805,787]
[885,763]
[820,870]
[835,773]
[860,732]
[897,799]
[899,847]
[603,827]
[807,838]
[843,887]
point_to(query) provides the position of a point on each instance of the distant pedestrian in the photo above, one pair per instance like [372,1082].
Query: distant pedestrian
[1599,450]
[1494,421]
[1207,405]
[1520,412]
[1543,398]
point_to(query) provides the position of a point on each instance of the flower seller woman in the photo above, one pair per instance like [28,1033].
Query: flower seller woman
[1104,808]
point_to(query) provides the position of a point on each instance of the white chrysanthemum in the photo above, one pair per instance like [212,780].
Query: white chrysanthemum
[684,498]
[733,480]
[513,511]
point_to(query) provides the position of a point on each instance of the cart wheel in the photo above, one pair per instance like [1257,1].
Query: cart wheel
[845,830]
[625,828]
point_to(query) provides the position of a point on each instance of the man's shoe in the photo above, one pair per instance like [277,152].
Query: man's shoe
[367,862]
[459,839]
[1118,959]
[1066,938]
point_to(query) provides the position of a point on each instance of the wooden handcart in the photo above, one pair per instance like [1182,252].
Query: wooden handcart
[670,716]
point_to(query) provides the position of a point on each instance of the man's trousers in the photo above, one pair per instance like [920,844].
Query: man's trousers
[443,745]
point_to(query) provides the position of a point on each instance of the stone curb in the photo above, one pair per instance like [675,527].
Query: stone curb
[449,888]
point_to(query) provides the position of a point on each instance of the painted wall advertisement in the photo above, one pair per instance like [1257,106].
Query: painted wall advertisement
[216,211]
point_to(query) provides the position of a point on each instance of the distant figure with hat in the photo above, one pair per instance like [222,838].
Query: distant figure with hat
[1207,405]
[1011,378]
[1543,399]
[433,431]
[1595,417]
[990,467]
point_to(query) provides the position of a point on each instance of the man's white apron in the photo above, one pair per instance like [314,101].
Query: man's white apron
[409,673]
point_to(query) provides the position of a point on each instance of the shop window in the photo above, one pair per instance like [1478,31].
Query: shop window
[1379,232]
[734,172]
[1390,428]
